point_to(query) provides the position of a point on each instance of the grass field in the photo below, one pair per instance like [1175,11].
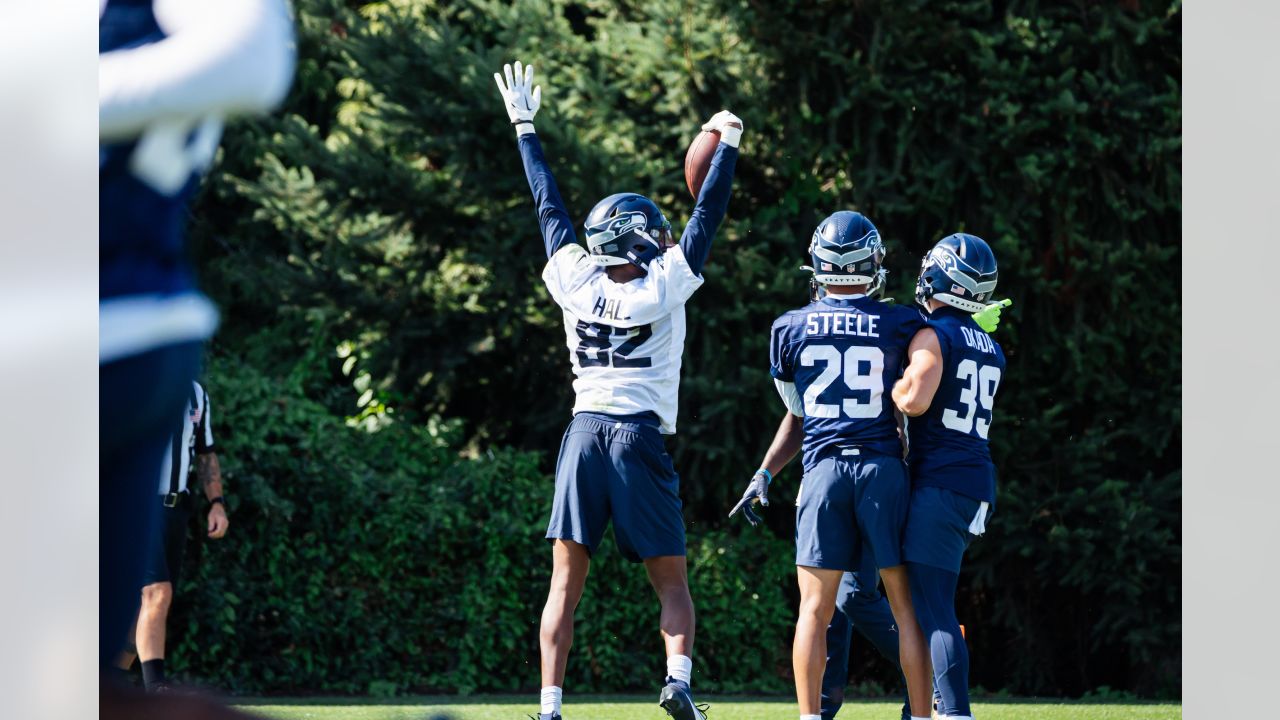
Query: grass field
[645,708]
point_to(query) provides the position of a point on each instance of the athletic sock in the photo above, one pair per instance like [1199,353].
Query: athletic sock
[680,667]
[810,717]
[152,672]
[551,697]
[914,717]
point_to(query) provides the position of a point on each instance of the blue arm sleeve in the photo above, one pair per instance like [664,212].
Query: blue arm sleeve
[713,201]
[553,218]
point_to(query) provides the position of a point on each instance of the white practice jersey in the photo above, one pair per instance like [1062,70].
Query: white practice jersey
[625,340]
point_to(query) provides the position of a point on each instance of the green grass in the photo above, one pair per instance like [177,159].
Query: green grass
[645,708]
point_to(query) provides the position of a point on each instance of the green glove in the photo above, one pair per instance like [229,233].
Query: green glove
[989,317]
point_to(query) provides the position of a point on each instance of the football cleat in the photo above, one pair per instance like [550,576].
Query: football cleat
[677,700]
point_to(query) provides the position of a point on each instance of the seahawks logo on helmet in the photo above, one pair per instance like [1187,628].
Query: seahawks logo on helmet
[626,228]
[601,237]
[959,271]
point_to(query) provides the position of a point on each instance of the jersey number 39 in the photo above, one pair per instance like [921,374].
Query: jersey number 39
[863,371]
[980,392]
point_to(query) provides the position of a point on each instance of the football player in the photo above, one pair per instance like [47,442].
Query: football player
[859,605]
[948,393]
[623,299]
[169,71]
[832,361]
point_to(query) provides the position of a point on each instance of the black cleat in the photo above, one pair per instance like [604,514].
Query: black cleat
[677,700]
[545,716]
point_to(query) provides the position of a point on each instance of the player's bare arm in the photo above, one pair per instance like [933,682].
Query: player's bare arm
[914,392]
[785,446]
[209,472]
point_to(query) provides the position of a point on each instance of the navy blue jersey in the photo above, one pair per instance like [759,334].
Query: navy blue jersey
[145,183]
[948,443]
[844,357]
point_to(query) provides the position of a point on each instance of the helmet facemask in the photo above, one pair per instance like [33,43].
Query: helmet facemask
[854,262]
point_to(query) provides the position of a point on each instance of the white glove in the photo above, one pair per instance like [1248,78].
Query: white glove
[520,96]
[728,125]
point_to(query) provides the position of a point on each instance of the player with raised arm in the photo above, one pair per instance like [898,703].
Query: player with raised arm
[623,300]
[832,361]
[947,393]
[169,71]
[859,604]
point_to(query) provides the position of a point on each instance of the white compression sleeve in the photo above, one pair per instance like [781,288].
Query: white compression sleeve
[790,397]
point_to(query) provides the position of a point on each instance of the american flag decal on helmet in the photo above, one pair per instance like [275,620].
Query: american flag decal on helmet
[827,266]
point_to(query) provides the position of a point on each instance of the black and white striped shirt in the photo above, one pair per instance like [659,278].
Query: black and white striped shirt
[194,437]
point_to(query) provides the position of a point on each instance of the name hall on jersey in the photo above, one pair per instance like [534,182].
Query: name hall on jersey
[609,309]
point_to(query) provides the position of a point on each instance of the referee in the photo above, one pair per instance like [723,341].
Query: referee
[191,444]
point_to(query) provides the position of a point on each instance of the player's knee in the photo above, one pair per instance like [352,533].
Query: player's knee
[674,593]
[157,597]
[818,606]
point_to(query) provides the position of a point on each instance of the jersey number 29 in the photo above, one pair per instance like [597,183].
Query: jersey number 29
[853,360]
[980,391]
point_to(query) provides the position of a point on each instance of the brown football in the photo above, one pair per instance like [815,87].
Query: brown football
[697,161]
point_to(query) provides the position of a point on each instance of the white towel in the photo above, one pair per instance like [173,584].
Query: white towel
[979,524]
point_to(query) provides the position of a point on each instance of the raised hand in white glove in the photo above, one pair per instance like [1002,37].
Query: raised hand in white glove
[519,96]
[728,125]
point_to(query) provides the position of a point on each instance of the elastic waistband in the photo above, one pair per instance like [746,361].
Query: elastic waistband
[853,453]
[648,419]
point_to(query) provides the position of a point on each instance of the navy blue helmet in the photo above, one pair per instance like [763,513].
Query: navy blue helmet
[626,228]
[846,250]
[959,271]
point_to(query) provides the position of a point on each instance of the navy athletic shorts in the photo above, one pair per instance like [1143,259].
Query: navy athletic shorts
[850,512]
[938,528]
[617,468]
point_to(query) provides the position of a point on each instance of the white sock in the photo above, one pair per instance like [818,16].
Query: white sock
[680,667]
[810,717]
[915,717]
[551,700]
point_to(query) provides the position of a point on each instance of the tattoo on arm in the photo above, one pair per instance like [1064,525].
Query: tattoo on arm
[210,474]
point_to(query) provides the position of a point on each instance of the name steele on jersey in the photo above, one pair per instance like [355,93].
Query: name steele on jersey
[842,323]
[979,341]
[608,308]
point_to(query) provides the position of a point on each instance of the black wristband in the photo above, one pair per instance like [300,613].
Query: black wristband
[218,501]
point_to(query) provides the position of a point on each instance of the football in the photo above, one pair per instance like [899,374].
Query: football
[697,161]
